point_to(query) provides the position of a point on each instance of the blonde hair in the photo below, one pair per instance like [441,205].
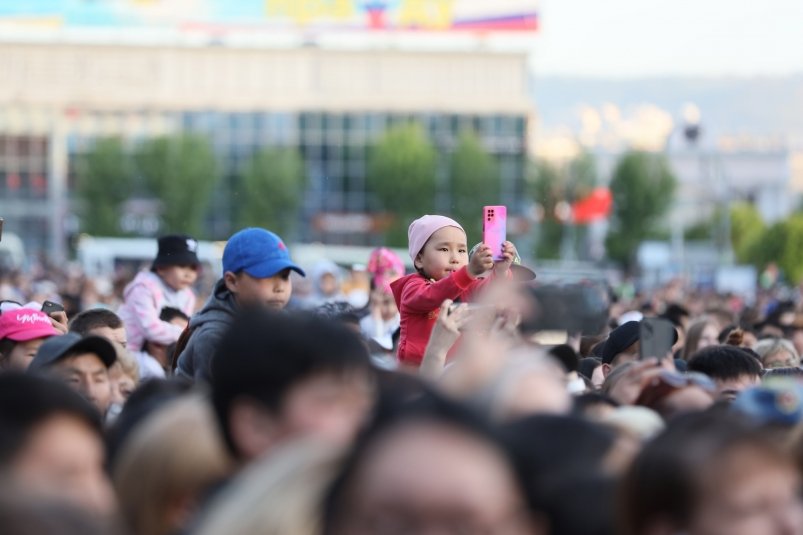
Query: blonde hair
[173,456]
[771,346]
[128,364]
[282,494]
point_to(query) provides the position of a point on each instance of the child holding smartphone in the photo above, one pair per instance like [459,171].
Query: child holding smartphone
[439,249]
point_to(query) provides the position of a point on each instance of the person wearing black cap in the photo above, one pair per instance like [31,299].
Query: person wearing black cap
[82,363]
[622,346]
[167,284]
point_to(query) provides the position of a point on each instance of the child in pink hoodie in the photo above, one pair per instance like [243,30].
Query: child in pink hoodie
[439,250]
[167,284]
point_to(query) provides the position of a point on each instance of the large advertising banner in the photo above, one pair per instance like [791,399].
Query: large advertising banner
[311,16]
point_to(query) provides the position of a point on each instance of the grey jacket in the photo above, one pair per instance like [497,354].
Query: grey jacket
[208,328]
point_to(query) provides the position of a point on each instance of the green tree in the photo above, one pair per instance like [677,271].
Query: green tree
[549,186]
[401,172]
[105,182]
[546,188]
[181,171]
[747,227]
[782,243]
[474,183]
[643,186]
[791,259]
[700,231]
[769,247]
[272,186]
[581,176]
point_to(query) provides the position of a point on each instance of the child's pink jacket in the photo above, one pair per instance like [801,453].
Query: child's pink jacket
[144,299]
[419,300]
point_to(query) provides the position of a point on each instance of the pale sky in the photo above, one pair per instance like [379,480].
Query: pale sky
[632,38]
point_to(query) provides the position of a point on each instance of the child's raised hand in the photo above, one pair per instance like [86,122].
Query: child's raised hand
[509,254]
[481,261]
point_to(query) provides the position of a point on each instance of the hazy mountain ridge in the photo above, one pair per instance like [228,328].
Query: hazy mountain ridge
[754,106]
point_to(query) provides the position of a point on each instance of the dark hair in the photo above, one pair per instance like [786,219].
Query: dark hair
[27,400]
[339,311]
[91,319]
[168,314]
[588,342]
[724,362]
[722,337]
[392,413]
[662,482]
[566,356]
[548,449]
[587,365]
[583,402]
[21,514]
[265,353]
[7,345]
[675,313]
[583,505]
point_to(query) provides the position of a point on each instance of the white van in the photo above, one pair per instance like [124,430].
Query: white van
[102,257]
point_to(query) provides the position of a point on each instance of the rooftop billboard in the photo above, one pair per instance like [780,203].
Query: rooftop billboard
[307,16]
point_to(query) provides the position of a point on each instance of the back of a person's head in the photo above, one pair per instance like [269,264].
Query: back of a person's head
[21,514]
[663,484]
[169,314]
[94,318]
[770,346]
[265,354]
[339,311]
[589,401]
[566,355]
[548,449]
[676,314]
[391,416]
[724,362]
[172,457]
[26,401]
[583,504]
[281,494]
[148,398]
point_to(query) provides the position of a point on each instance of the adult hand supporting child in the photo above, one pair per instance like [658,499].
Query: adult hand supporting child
[444,335]
[484,350]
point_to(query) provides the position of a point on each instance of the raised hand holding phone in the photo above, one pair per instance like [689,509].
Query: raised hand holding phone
[58,317]
[656,338]
[481,261]
[494,230]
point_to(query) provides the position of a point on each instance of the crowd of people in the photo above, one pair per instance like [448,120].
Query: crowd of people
[434,402]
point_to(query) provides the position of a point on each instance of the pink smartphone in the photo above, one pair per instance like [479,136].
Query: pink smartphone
[494,228]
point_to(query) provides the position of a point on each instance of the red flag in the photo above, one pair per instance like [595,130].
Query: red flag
[594,207]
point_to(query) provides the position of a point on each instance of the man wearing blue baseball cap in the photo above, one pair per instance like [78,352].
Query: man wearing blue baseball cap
[256,271]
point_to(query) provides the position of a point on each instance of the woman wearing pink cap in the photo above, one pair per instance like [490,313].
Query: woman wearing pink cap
[22,331]
[439,250]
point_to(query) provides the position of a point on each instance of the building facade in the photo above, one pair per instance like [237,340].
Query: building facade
[329,103]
